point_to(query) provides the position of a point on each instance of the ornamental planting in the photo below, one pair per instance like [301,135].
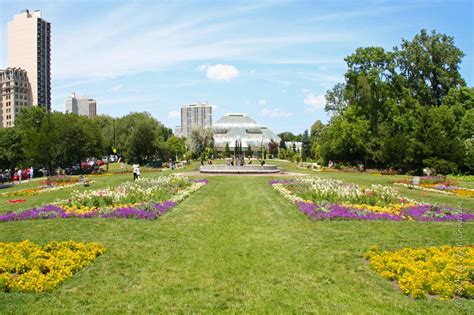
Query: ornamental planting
[444,271]
[331,199]
[142,199]
[29,268]
[437,184]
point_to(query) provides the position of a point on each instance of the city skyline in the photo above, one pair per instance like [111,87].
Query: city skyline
[271,60]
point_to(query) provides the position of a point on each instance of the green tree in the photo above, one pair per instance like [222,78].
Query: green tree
[316,129]
[199,139]
[141,144]
[176,146]
[336,101]
[430,65]
[305,146]
[77,138]
[249,151]
[11,148]
[38,136]
[345,140]
[227,150]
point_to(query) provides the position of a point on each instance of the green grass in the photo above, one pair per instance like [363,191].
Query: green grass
[234,245]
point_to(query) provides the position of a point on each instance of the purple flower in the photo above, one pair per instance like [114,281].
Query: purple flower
[281,181]
[53,212]
[435,213]
[417,213]
[44,212]
[204,180]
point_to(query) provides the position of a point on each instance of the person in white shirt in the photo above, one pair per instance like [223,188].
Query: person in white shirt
[138,171]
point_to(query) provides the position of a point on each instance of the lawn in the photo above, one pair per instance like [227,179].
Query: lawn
[234,245]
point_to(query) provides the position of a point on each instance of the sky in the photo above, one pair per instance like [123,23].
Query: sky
[273,60]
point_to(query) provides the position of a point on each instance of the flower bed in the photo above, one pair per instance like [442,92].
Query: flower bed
[60,180]
[438,184]
[48,187]
[29,268]
[331,199]
[14,201]
[143,199]
[443,271]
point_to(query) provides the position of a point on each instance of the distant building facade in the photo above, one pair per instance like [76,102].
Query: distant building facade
[81,105]
[15,95]
[294,145]
[195,115]
[29,48]
[240,129]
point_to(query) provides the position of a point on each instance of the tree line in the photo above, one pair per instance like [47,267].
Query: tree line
[54,139]
[406,109]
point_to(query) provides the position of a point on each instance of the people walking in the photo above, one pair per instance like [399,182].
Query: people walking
[19,175]
[31,173]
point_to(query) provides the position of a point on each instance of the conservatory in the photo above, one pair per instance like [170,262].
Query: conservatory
[242,131]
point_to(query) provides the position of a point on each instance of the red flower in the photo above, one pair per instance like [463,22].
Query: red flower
[16,200]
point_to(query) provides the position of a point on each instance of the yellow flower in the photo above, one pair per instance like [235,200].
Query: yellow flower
[27,267]
[443,271]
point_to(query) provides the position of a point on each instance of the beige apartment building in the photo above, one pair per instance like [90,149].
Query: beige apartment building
[81,105]
[194,115]
[15,94]
[29,48]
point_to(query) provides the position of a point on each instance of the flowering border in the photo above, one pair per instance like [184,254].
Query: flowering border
[413,212]
[139,211]
[41,189]
[440,191]
[29,268]
[441,271]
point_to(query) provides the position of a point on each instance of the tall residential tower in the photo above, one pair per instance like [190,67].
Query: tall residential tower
[195,115]
[29,48]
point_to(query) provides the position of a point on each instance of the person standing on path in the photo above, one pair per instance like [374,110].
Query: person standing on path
[134,169]
[138,171]
[19,176]
[31,173]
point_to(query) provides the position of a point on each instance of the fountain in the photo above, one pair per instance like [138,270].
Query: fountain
[237,166]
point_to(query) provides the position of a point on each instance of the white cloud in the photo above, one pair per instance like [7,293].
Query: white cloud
[314,102]
[222,72]
[263,102]
[116,88]
[174,114]
[252,72]
[275,113]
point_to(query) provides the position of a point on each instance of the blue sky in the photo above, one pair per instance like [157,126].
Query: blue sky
[273,60]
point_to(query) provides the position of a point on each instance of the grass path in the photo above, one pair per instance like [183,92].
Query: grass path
[235,245]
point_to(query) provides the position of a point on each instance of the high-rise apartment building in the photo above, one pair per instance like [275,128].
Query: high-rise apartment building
[195,115]
[29,48]
[81,105]
[15,94]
